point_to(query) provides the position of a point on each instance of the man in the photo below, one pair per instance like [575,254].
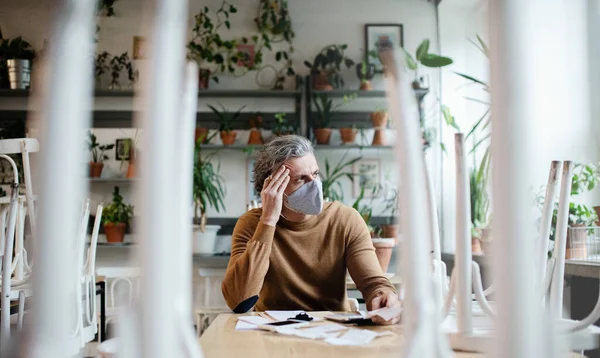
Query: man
[294,251]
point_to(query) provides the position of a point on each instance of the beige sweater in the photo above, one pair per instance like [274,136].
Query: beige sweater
[302,265]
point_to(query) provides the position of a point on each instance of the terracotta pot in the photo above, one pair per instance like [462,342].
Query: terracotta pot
[597,209]
[390,230]
[323,135]
[379,119]
[379,137]
[365,86]
[115,233]
[576,242]
[201,133]
[321,82]
[348,135]
[384,254]
[476,246]
[228,138]
[96,169]
[255,137]
[131,168]
[203,79]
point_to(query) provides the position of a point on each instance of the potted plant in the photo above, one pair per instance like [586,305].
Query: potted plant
[117,64]
[365,72]
[100,67]
[379,118]
[325,110]
[327,65]
[116,217]
[348,135]
[226,123]
[256,122]
[16,56]
[390,229]
[282,126]
[208,190]
[480,204]
[98,155]
[330,179]
[423,57]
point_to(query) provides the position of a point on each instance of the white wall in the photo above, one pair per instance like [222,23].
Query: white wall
[317,23]
[563,126]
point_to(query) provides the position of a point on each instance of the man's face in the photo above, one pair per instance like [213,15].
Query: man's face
[302,171]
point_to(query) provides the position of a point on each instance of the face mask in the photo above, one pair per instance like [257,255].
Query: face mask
[308,199]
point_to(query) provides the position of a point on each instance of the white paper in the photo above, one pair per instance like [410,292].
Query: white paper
[353,337]
[386,313]
[250,323]
[313,332]
[285,315]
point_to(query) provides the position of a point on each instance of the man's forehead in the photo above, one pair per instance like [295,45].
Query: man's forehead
[304,169]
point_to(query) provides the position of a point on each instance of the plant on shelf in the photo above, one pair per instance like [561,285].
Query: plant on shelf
[325,110]
[332,186]
[273,19]
[208,187]
[98,155]
[327,65]
[256,122]
[390,199]
[425,58]
[117,64]
[100,67]
[282,125]
[106,8]
[16,55]
[365,72]
[116,217]
[379,118]
[226,123]
[364,210]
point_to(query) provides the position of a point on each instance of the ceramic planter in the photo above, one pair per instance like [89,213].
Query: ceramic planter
[323,135]
[379,119]
[383,250]
[348,135]
[228,137]
[115,233]
[19,73]
[131,170]
[379,137]
[201,133]
[96,169]
[204,241]
[255,137]
[321,82]
[391,231]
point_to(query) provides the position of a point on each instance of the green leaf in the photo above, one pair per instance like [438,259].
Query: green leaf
[449,118]
[484,47]
[478,123]
[232,9]
[473,79]
[422,49]
[278,56]
[227,24]
[431,60]
[410,61]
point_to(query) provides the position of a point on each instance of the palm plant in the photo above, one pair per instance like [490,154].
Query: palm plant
[226,118]
[332,187]
[208,186]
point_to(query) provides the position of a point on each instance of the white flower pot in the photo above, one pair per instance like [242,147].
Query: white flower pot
[204,242]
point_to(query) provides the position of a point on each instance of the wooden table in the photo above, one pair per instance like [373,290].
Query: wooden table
[221,340]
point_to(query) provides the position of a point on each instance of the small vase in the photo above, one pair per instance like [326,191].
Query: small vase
[365,86]
[255,137]
[131,168]
[323,135]
[96,169]
[321,82]
[379,119]
[228,137]
[115,233]
[348,135]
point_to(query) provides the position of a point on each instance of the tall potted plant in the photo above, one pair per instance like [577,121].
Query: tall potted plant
[116,217]
[425,58]
[226,123]
[208,190]
[332,186]
[327,66]
[98,155]
[16,56]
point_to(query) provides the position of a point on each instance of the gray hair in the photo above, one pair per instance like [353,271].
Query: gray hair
[275,153]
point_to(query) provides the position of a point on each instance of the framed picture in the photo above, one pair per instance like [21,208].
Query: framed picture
[122,148]
[251,194]
[139,48]
[246,55]
[373,32]
[368,176]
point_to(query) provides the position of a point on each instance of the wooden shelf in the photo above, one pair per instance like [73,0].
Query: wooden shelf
[112,180]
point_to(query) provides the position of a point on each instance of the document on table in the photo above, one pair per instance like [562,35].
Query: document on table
[250,323]
[386,313]
[285,315]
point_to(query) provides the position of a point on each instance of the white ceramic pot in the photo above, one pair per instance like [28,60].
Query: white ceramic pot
[204,242]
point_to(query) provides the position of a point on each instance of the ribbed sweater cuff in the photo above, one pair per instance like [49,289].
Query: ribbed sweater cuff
[264,233]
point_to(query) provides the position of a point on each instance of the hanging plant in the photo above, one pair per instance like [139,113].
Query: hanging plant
[106,8]
[273,20]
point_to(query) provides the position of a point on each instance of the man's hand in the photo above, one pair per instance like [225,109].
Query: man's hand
[389,299]
[272,196]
